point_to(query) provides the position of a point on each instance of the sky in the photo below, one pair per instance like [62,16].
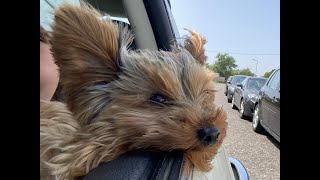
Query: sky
[237,27]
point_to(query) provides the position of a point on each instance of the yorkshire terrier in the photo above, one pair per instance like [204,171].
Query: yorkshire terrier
[118,99]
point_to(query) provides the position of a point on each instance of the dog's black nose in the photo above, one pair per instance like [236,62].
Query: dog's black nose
[208,135]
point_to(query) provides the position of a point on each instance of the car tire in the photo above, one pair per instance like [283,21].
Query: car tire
[241,110]
[256,126]
[233,106]
[226,92]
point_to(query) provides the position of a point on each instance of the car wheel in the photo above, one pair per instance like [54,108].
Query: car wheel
[256,126]
[241,110]
[226,92]
[233,106]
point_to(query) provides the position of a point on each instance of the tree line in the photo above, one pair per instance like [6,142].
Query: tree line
[226,66]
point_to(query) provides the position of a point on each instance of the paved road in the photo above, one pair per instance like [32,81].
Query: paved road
[259,153]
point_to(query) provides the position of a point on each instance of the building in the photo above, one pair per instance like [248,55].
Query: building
[217,78]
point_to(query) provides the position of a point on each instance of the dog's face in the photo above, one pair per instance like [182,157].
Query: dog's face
[156,100]
[164,100]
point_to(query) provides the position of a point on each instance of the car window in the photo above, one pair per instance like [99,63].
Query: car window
[237,79]
[275,81]
[244,83]
[256,84]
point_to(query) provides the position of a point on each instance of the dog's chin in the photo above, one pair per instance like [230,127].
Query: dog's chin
[201,147]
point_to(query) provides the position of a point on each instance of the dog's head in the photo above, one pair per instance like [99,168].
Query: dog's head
[154,99]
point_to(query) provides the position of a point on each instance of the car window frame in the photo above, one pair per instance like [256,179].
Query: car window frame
[278,86]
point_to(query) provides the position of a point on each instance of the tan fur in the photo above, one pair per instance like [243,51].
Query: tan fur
[86,47]
[108,109]
[195,45]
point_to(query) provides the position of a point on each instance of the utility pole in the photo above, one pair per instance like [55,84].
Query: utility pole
[256,66]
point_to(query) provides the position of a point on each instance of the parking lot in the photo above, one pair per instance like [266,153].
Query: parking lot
[259,153]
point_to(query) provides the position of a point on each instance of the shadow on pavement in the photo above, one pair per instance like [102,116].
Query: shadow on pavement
[273,140]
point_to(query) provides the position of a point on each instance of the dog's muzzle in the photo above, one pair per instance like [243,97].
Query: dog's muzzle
[208,135]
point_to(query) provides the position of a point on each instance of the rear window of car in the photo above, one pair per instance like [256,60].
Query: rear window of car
[237,79]
[256,84]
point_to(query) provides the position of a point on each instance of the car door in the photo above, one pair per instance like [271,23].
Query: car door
[275,121]
[269,98]
[240,92]
[236,95]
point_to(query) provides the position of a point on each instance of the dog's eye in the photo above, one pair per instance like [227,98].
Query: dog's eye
[158,98]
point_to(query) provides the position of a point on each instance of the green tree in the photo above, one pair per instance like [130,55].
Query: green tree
[234,72]
[246,71]
[209,66]
[224,65]
[267,74]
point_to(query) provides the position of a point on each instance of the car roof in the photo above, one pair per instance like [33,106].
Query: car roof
[241,76]
[256,78]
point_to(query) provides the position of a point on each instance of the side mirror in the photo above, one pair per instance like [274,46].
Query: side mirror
[238,169]
[239,85]
[228,82]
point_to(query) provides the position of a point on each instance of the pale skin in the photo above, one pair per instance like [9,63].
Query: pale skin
[49,75]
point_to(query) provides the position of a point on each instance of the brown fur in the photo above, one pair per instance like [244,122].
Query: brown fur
[108,109]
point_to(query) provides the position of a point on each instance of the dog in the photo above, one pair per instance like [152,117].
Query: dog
[118,99]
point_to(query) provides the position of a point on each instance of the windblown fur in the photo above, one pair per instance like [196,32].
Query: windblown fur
[107,89]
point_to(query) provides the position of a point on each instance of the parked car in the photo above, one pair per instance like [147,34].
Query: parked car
[246,94]
[154,28]
[267,109]
[227,84]
[232,84]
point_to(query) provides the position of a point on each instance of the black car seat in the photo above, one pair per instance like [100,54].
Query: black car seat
[140,165]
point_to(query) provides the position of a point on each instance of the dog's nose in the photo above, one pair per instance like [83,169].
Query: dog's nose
[208,135]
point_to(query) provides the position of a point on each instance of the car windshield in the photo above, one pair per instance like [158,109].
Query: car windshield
[237,79]
[256,84]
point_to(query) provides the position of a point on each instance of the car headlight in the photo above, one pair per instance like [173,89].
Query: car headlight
[231,89]
[253,97]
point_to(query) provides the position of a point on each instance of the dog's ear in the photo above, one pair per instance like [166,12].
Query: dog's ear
[85,47]
[194,43]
